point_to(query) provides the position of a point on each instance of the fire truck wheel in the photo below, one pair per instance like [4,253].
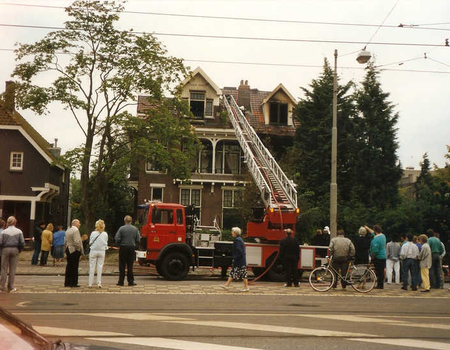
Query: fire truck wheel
[175,266]
[257,271]
[158,268]
[277,272]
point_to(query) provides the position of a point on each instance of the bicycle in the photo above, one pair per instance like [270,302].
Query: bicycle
[360,277]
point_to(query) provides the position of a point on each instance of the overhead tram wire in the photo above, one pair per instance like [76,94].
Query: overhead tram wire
[294,65]
[384,20]
[253,19]
[242,37]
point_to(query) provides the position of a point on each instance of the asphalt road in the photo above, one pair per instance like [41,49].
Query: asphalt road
[209,318]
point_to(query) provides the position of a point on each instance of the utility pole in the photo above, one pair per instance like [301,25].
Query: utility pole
[333,185]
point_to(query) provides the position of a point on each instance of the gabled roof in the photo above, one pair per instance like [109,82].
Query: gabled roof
[280,87]
[200,71]
[256,117]
[13,120]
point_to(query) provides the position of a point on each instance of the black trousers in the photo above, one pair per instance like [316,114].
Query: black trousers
[291,268]
[340,264]
[379,265]
[126,259]
[44,257]
[73,260]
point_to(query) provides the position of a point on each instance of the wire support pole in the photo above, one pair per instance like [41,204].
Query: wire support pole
[333,184]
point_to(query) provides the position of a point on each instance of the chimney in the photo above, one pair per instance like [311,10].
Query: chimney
[54,149]
[244,95]
[9,96]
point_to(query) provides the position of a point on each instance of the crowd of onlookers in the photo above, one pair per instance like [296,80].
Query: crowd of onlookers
[57,242]
[414,261]
[48,240]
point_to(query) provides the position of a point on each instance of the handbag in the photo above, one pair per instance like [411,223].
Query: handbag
[90,244]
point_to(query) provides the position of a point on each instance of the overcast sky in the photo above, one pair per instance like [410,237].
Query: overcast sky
[418,86]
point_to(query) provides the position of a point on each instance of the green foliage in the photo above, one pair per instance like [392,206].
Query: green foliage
[311,152]
[226,235]
[249,198]
[224,118]
[312,216]
[376,162]
[367,167]
[98,71]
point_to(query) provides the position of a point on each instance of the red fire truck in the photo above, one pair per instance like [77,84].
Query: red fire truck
[172,242]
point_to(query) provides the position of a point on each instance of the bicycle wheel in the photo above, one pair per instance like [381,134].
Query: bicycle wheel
[363,279]
[321,279]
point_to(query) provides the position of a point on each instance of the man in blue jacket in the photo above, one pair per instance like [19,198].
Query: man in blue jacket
[436,251]
[378,254]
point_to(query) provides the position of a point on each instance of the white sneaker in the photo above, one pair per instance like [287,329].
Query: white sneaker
[13,290]
[100,286]
[245,290]
[224,287]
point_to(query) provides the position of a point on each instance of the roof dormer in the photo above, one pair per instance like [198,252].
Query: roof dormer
[201,93]
[278,107]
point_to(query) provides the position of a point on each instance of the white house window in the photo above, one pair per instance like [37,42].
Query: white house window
[278,113]
[156,193]
[197,104]
[152,166]
[230,198]
[16,161]
[191,196]
[230,213]
[205,157]
[228,158]
[209,108]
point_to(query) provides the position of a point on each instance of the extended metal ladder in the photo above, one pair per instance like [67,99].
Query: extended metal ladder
[276,189]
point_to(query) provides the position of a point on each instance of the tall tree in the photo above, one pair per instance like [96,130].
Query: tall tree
[425,175]
[377,165]
[97,72]
[311,153]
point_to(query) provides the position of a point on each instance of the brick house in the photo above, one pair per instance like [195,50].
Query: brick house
[220,171]
[32,188]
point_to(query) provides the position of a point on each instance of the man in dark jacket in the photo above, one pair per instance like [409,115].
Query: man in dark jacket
[37,242]
[127,238]
[362,246]
[289,255]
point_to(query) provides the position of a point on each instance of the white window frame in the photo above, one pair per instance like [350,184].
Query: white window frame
[190,188]
[278,113]
[234,190]
[153,171]
[12,161]
[205,101]
[156,185]
[209,100]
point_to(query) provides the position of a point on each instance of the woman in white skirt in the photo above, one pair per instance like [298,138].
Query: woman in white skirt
[98,243]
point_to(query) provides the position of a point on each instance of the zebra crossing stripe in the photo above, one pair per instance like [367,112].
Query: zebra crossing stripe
[386,321]
[69,332]
[171,344]
[410,343]
[273,328]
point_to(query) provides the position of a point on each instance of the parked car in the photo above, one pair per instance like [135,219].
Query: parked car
[15,334]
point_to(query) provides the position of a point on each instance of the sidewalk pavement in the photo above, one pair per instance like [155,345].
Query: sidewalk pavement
[25,268]
[109,269]
[194,286]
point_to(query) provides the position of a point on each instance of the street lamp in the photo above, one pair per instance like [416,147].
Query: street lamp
[363,57]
